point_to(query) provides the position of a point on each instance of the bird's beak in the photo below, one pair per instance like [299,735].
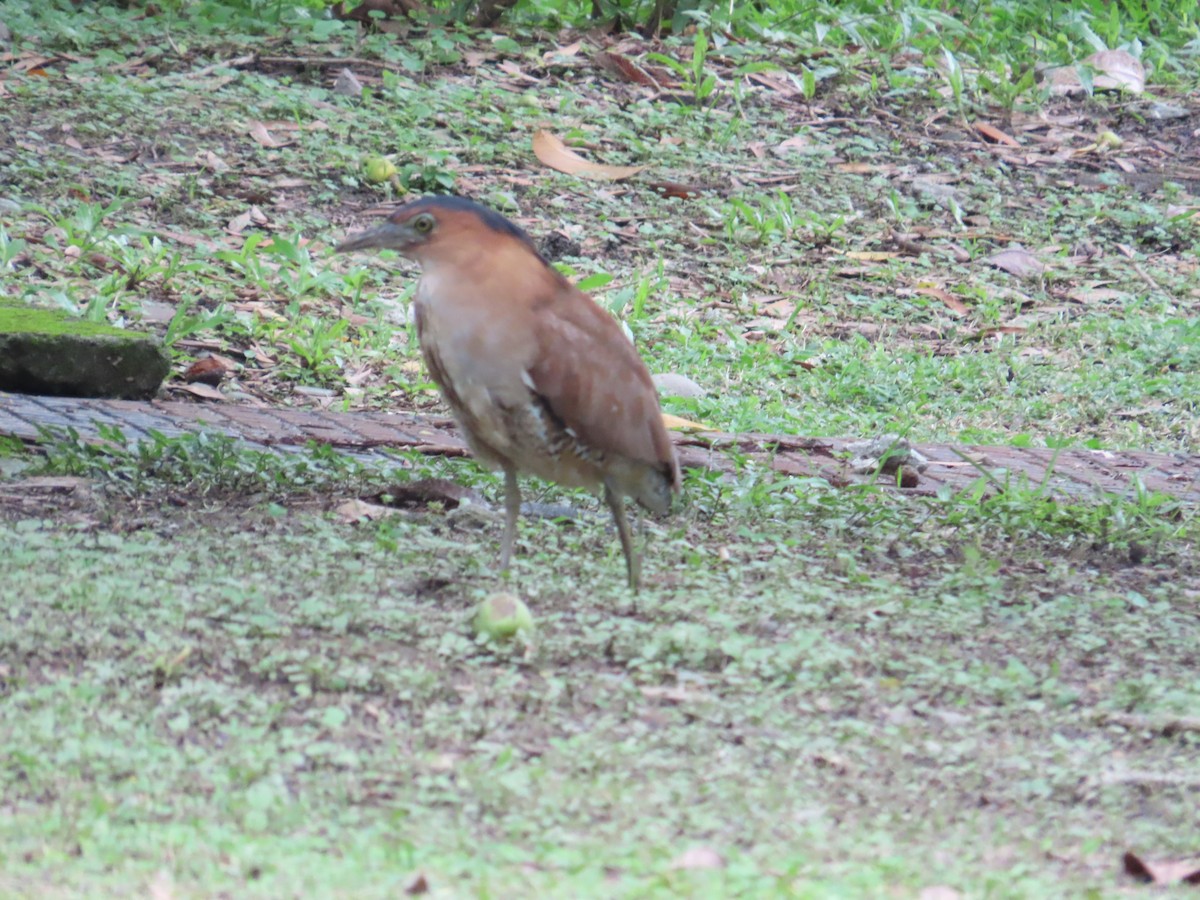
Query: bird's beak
[385,236]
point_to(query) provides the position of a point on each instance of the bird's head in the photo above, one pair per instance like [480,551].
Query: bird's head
[438,227]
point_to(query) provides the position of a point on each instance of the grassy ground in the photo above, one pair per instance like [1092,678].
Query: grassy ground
[213,684]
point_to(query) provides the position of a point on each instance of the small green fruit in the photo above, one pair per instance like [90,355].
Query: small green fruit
[502,616]
[379,169]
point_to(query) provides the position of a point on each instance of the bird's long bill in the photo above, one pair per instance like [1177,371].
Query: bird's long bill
[383,236]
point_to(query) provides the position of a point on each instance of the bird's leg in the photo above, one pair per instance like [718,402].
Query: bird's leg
[512,509]
[617,506]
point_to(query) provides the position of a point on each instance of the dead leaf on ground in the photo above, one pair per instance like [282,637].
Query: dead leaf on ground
[1116,70]
[984,333]
[698,858]
[424,491]
[953,304]
[508,67]
[675,423]
[872,255]
[1017,261]
[797,143]
[238,224]
[212,162]
[162,886]
[676,190]
[360,511]
[418,884]
[776,306]
[1097,295]
[673,694]
[1113,70]
[263,137]
[552,152]
[347,84]
[252,216]
[209,370]
[623,67]
[776,84]
[992,133]
[202,390]
[560,54]
[1163,871]
[938,892]
[864,168]
[672,384]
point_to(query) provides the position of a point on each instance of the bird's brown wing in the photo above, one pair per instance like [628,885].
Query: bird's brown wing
[593,381]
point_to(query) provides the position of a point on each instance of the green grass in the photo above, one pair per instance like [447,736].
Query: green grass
[265,702]
[212,684]
[100,229]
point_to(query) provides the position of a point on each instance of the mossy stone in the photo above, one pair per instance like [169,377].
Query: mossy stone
[44,351]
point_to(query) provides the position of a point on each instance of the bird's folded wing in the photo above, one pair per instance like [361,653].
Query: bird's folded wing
[593,381]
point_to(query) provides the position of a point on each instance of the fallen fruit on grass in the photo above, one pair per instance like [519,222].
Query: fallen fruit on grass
[503,615]
[379,169]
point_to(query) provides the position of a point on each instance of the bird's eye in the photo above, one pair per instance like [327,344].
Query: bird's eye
[423,224]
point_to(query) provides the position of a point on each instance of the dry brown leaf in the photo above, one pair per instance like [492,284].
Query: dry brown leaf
[259,132]
[672,384]
[872,255]
[1116,70]
[476,58]
[675,423]
[1064,81]
[998,330]
[674,189]
[796,143]
[418,884]
[238,224]
[953,304]
[1016,260]
[938,892]
[861,168]
[209,370]
[1096,295]
[509,67]
[201,390]
[260,309]
[623,67]
[698,858]
[1162,872]
[1175,211]
[347,84]
[552,152]
[674,694]
[993,133]
[162,886]
[188,240]
[562,53]
[360,511]
[776,84]
[424,491]
[779,307]
[213,163]
[32,63]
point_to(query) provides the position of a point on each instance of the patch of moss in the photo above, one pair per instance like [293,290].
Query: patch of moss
[46,351]
[29,320]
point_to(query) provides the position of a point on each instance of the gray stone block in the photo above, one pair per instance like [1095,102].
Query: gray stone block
[47,352]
